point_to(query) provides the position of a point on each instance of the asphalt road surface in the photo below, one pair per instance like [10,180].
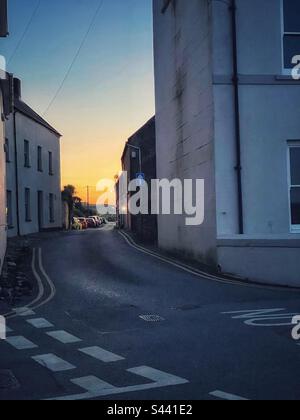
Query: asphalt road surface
[111,322]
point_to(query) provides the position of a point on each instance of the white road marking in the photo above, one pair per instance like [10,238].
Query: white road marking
[225,396]
[49,281]
[40,323]
[95,387]
[101,354]
[53,363]
[263,317]
[20,343]
[92,384]
[64,337]
[156,375]
[24,312]
[39,280]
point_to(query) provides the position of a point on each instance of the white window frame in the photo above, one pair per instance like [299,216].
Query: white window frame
[285,71]
[292,145]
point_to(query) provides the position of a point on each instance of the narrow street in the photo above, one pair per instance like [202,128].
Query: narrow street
[84,337]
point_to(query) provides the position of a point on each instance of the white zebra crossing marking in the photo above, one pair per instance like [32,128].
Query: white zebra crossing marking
[64,337]
[92,384]
[53,363]
[20,343]
[3,328]
[155,375]
[225,396]
[24,312]
[96,388]
[101,354]
[40,323]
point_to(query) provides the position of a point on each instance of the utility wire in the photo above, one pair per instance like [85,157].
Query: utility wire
[75,57]
[25,32]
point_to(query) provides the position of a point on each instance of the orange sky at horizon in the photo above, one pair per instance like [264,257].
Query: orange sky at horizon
[108,92]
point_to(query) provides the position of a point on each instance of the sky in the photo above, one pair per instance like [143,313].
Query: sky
[108,93]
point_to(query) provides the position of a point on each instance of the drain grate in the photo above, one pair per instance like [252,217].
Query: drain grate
[152,318]
[8,380]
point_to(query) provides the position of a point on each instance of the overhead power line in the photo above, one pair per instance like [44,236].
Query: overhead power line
[99,7]
[25,32]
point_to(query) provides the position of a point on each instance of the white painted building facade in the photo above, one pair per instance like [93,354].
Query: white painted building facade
[33,186]
[4,109]
[2,189]
[242,138]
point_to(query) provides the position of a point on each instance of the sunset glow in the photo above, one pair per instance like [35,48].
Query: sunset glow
[108,93]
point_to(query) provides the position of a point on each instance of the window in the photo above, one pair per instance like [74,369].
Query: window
[26,154]
[166,4]
[9,217]
[27,205]
[294,186]
[291,31]
[50,163]
[51,208]
[7,151]
[40,159]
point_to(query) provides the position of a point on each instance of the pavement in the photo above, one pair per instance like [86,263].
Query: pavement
[112,322]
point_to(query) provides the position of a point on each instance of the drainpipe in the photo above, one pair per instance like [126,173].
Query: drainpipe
[235,80]
[16,174]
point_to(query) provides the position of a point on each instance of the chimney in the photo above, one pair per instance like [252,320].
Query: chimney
[17,88]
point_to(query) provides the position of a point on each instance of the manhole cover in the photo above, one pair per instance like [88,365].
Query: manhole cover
[8,380]
[151,318]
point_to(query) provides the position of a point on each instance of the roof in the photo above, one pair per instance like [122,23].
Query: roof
[24,109]
[131,138]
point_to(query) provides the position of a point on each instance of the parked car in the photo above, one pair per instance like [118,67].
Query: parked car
[97,220]
[83,222]
[76,225]
[91,222]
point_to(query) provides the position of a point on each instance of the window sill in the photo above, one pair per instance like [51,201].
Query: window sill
[285,77]
[295,231]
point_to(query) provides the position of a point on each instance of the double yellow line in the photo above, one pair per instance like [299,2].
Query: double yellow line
[43,281]
[199,273]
